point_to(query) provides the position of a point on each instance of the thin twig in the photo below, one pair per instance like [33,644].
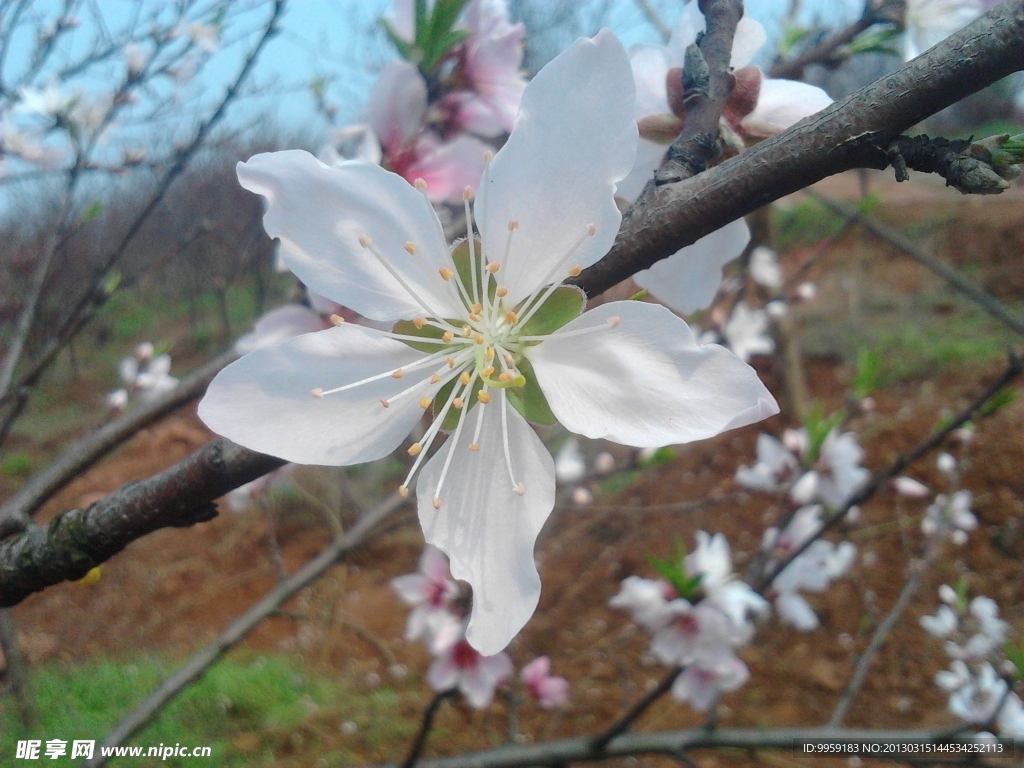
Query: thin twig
[654,20]
[885,627]
[600,742]
[243,625]
[982,298]
[425,725]
[15,514]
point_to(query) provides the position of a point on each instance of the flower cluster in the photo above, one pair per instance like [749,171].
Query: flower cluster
[697,620]
[812,471]
[812,570]
[975,638]
[145,375]
[438,619]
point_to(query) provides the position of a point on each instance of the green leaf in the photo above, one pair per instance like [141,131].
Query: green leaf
[406,50]
[869,203]
[408,328]
[867,375]
[529,400]
[818,427]
[94,210]
[660,456]
[566,303]
[1000,399]
[451,419]
[672,571]
[464,272]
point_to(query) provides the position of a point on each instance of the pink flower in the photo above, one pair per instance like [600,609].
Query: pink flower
[489,64]
[701,686]
[476,676]
[431,593]
[549,691]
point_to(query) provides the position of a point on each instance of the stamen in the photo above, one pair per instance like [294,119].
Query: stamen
[501,291]
[447,337]
[504,439]
[464,378]
[489,354]
[492,267]
[415,448]
[520,490]
[487,371]
[511,317]
[435,378]
[450,361]
[446,274]
[474,317]
[574,271]
[538,299]
[403,491]
[420,185]
[436,502]
[337,320]
[410,247]
[476,308]
[451,452]
[318,392]
[466,195]
[478,338]
[419,322]
[466,330]
[385,403]
[483,397]
[425,401]
[398,373]
[368,244]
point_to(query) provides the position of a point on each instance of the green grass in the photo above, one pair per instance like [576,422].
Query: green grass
[251,712]
[18,464]
[803,224]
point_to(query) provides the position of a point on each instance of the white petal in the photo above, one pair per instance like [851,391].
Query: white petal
[794,610]
[279,325]
[319,212]
[749,38]
[574,138]
[688,279]
[397,104]
[648,159]
[486,529]
[264,402]
[782,103]
[689,24]
[646,382]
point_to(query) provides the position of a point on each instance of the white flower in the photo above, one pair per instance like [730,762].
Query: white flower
[929,22]
[956,677]
[774,462]
[43,102]
[698,634]
[908,486]
[723,588]
[645,599]
[942,624]
[701,686]
[431,593]
[951,515]
[482,344]
[746,332]
[476,676]
[976,702]
[569,464]
[764,267]
[279,325]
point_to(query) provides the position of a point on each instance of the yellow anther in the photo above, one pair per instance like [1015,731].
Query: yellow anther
[337,319]
[419,322]
[476,308]
[574,270]
[509,360]
[464,378]
[591,229]
[466,330]
[473,316]
[420,184]
[316,392]
[478,338]
[483,397]
[435,379]
[487,371]
[512,317]
[489,354]
[505,376]
[403,491]
[415,448]
[424,402]
[488,156]
[436,502]
[457,403]
[493,267]
[364,240]
[501,291]
[467,193]
[513,224]
[385,403]
[520,490]
[446,274]
[447,337]
[398,374]
[410,247]
[450,361]
[474,446]
[613,321]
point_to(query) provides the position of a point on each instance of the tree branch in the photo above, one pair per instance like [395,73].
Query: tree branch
[15,514]
[852,133]
[78,540]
